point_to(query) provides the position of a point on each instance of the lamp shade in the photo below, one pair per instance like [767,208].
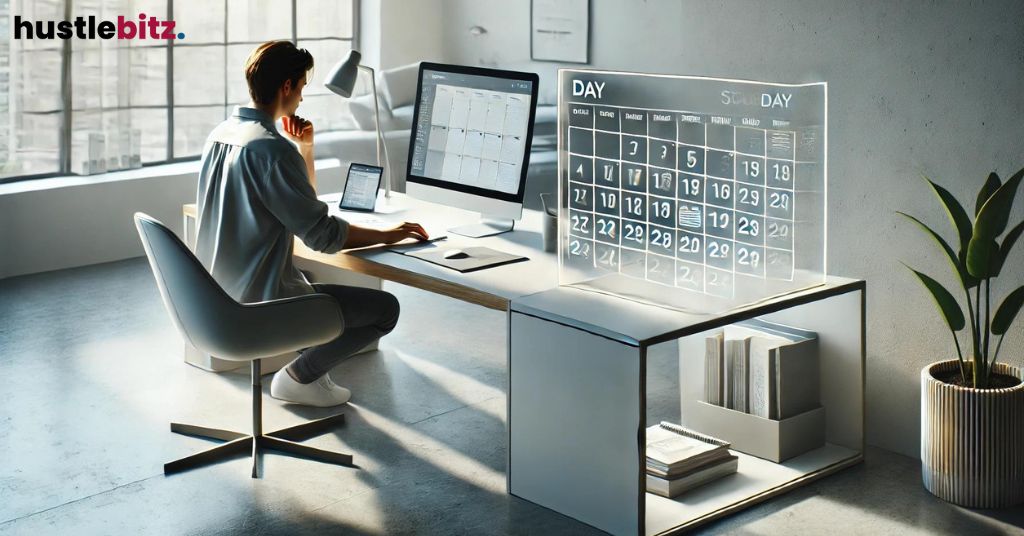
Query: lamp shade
[342,78]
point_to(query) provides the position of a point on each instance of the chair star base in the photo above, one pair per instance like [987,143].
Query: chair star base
[236,443]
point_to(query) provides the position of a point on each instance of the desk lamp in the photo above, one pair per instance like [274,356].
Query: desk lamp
[342,80]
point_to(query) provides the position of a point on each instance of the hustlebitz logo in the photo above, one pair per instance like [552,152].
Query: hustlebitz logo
[146,27]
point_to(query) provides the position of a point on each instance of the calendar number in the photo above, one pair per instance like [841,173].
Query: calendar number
[608,257]
[661,209]
[581,223]
[749,196]
[748,226]
[782,172]
[747,257]
[609,199]
[661,239]
[718,219]
[689,244]
[779,200]
[690,187]
[633,205]
[752,168]
[778,230]
[606,228]
[718,251]
[633,232]
[579,248]
[635,177]
[689,277]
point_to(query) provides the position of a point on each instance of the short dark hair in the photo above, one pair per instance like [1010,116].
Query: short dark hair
[271,64]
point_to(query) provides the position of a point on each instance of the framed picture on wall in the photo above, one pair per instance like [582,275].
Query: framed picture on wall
[560,30]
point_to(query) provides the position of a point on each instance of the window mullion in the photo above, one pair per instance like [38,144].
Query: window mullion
[64,150]
[170,86]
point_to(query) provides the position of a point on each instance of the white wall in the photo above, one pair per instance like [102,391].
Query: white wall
[398,32]
[916,86]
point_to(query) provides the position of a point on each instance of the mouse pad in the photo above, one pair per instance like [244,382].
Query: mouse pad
[479,258]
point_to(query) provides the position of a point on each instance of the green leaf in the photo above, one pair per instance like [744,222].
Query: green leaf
[955,211]
[982,257]
[1008,241]
[995,213]
[1007,311]
[992,183]
[948,305]
[958,264]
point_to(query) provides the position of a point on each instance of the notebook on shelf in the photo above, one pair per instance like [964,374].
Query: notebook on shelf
[679,459]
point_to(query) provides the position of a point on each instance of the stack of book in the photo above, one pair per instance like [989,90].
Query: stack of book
[764,369]
[679,459]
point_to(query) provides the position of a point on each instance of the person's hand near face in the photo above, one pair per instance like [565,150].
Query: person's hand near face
[298,129]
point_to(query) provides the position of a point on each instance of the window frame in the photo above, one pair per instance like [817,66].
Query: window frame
[67,111]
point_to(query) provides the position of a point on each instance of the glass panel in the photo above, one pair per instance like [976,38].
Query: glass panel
[87,78]
[30,144]
[30,94]
[151,123]
[192,126]
[117,81]
[238,91]
[148,67]
[199,75]
[259,20]
[324,18]
[327,112]
[325,55]
[701,213]
[88,142]
[35,76]
[200,21]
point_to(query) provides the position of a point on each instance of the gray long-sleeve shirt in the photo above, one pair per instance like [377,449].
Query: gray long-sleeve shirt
[254,196]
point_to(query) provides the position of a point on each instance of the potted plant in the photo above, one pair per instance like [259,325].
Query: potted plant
[972,407]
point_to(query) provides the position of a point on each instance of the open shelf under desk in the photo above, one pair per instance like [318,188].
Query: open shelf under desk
[754,481]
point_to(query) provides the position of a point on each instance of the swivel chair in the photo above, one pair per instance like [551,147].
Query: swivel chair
[215,323]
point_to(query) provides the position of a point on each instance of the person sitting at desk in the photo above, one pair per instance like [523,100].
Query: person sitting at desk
[257,191]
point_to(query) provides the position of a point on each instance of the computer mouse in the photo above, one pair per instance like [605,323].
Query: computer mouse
[455,254]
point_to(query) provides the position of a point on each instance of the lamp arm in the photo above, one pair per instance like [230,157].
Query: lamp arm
[385,164]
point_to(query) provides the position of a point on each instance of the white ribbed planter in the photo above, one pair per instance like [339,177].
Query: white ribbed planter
[972,440]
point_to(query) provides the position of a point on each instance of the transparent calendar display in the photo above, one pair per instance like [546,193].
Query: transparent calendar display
[697,193]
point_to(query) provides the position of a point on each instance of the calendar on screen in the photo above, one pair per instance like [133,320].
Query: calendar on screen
[697,193]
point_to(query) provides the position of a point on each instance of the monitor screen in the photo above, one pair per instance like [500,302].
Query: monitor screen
[472,130]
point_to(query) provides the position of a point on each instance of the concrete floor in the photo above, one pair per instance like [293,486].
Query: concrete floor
[92,374]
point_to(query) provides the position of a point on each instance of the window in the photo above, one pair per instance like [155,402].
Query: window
[85,106]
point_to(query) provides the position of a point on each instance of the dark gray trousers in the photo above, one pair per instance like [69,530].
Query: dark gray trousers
[369,315]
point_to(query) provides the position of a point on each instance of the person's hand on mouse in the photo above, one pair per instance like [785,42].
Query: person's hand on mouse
[403,231]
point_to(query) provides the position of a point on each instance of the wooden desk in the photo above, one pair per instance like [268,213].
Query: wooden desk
[493,288]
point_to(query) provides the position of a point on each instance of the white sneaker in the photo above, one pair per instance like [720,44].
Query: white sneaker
[322,393]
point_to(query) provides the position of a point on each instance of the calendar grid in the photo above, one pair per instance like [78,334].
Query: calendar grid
[651,229]
[700,201]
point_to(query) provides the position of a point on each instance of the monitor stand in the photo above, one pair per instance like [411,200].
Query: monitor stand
[486,227]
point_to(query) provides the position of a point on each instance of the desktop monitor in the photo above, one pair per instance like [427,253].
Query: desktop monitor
[470,142]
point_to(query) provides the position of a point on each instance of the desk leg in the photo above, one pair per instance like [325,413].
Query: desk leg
[575,422]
